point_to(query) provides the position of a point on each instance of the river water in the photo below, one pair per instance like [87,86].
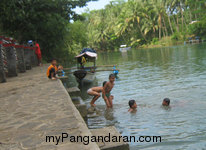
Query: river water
[148,76]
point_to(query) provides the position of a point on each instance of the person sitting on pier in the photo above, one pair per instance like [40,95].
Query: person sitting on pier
[95,91]
[133,106]
[106,91]
[52,70]
[166,102]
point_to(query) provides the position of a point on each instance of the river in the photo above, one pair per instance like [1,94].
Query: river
[148,76]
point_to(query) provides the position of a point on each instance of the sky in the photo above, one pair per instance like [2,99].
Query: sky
[93,5]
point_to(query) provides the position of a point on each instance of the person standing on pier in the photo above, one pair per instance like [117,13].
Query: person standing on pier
[38,53]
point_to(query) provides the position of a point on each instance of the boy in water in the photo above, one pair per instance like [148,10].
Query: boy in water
[106,91]
[166,102]
[133,106]
[95,91]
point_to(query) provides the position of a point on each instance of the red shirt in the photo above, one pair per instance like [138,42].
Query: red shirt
[38,51]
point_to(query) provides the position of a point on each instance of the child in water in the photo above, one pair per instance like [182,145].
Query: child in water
[166,102]
[106,91]
[95,91]
[133,106]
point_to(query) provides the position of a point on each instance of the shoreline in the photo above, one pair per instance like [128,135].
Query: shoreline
[149,46]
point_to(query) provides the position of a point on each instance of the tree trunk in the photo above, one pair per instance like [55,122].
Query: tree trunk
[174,20]
[185,24]
[190,16]
[163,31]
[182,17]
[177,24]
[141,32]
[160,26]
[165,26]
[170,24]
[196,2]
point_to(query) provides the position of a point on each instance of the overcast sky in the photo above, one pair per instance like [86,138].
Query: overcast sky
[93,5]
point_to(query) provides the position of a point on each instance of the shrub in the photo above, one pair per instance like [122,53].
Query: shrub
[198,28]
[176,36]
[155,41]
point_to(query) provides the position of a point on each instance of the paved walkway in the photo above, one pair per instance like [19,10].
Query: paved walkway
[32,107]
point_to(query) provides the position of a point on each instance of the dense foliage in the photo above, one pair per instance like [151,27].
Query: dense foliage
[46,21]
[140,22]
[132,22]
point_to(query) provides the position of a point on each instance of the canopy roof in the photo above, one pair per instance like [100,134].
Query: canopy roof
[89,54]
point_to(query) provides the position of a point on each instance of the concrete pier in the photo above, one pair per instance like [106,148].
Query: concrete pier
[33,107]
[81,106]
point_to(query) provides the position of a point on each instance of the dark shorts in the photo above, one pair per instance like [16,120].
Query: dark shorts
[52,70]
[107,95]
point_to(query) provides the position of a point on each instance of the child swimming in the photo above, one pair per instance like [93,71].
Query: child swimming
[132,105]
[106,91]
[95,91]
[166,102]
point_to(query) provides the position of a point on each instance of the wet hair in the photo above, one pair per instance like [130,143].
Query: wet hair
[104,83]
[167,100]
[112,76]
[131,103]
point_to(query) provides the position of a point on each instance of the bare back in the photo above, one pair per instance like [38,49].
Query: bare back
[97,89]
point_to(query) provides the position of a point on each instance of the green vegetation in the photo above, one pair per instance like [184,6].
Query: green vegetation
[47,21]
[142,23]
[137,23]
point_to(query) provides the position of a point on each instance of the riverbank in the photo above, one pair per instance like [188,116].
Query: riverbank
[33,107]
[164,42]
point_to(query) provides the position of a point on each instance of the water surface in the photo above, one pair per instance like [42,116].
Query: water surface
[148,76]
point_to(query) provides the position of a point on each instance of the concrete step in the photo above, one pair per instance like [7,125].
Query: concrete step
[81,106]
[77,100]
[74,91]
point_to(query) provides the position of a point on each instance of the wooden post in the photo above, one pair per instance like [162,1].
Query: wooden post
[11,59]
[2,73]
[33,57]
[94,63]
[20,57]
[27,56]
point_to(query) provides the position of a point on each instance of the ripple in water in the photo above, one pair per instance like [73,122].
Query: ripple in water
[148,76]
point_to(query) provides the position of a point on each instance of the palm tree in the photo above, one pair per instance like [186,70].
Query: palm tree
[169,13]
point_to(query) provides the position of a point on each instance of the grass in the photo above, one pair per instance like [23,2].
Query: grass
[165,41]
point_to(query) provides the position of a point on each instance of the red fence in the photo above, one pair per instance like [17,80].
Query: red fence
[15,58]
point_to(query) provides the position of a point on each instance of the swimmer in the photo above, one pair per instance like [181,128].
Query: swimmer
[133,106]
[166,102]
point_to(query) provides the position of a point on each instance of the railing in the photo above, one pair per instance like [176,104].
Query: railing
[15,58]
